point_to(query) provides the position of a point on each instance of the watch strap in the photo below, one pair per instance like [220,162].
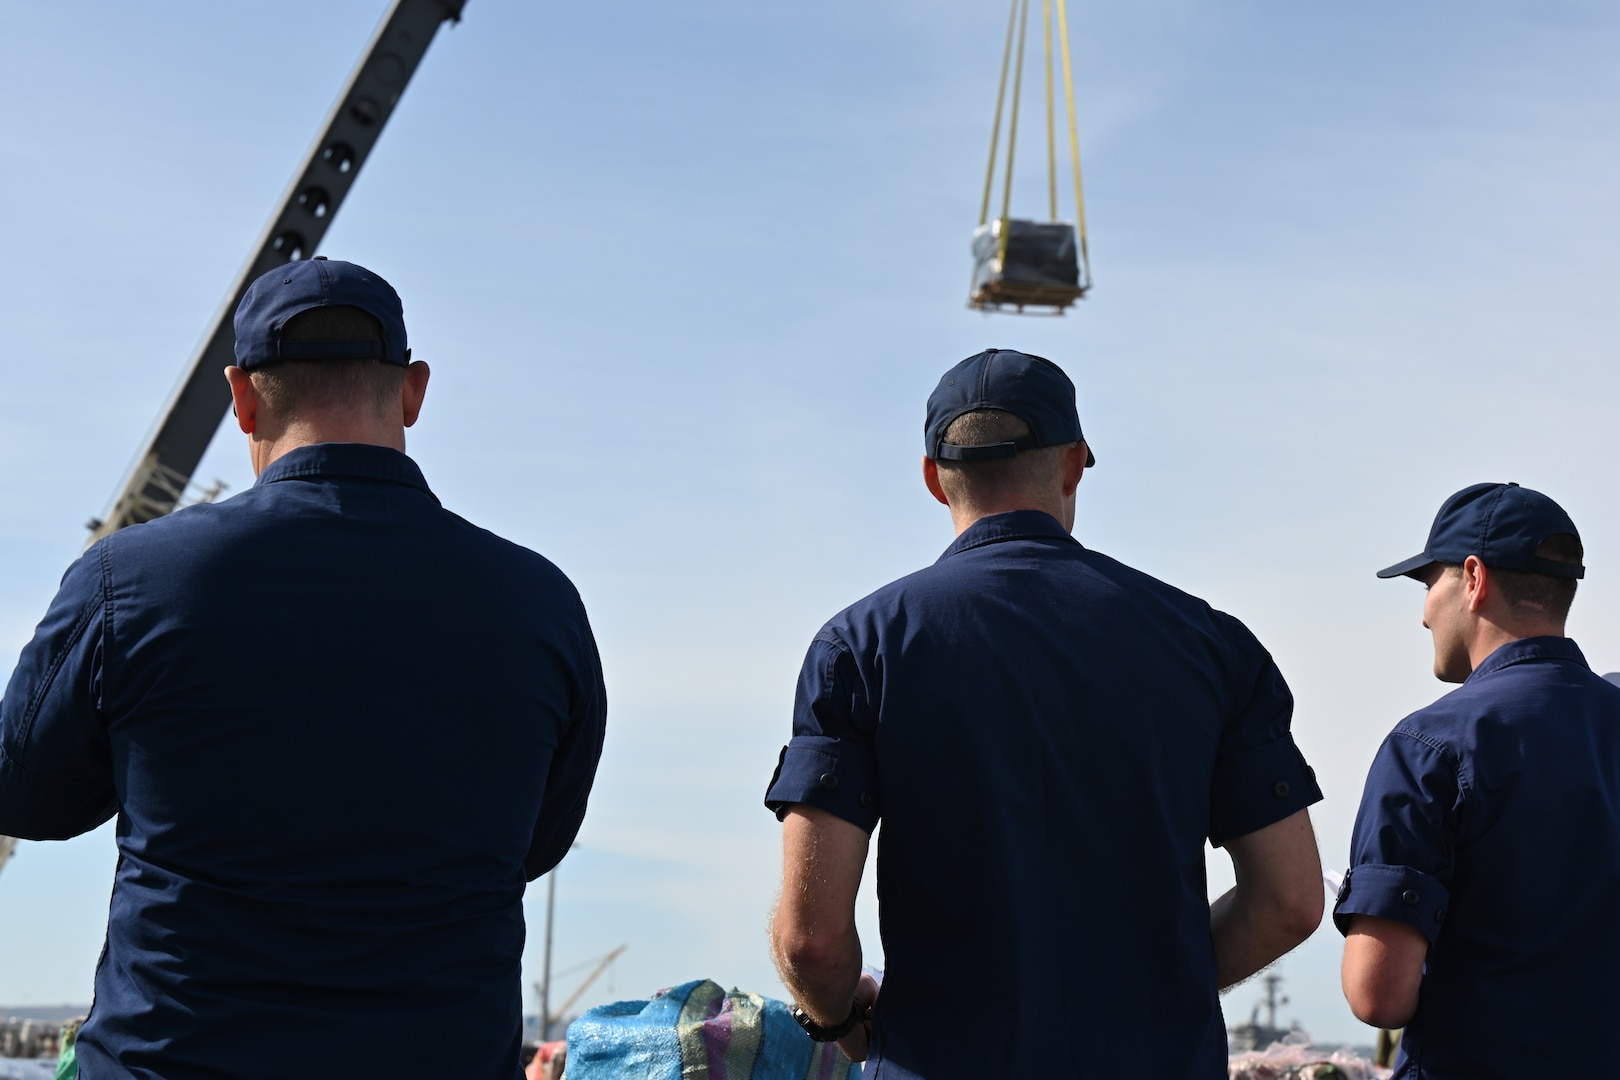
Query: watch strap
[857,1013]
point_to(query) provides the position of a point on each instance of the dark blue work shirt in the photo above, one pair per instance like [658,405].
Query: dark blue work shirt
[340,728]
[1048,737]
[1491,823]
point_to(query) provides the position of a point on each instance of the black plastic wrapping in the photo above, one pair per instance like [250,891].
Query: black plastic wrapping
[1041,253]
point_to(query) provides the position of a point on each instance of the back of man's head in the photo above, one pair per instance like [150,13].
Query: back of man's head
[1542,596]
[322,336]
[997,426]
[299,389]
[1031,474]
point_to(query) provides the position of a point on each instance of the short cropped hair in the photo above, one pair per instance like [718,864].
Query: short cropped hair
[291,388]
[1550,595]
[1028,470]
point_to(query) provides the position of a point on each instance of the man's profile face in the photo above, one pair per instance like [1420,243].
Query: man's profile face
[1445,614]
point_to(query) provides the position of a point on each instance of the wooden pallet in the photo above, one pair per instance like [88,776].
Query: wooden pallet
[996,295]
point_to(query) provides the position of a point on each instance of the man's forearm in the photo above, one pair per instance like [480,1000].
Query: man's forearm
[819,971]
[1277,902]
[1248,936]
[813,936]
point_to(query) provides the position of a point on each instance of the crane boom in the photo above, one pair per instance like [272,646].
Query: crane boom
[159,477]
[160,474]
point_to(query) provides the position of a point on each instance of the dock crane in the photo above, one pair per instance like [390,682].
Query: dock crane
[548,1018]
[162,472]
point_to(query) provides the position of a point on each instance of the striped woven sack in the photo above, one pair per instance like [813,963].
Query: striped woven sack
[697,1031]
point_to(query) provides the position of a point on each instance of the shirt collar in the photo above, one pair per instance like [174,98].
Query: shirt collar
[1529,650]
[1012,525]
[359,461]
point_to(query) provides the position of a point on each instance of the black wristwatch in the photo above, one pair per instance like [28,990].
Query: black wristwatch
[857,1013]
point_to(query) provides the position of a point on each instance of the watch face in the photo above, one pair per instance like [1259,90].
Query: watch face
[811,1028]
[821,1034]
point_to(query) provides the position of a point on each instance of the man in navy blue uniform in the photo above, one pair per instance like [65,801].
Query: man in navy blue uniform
[1480,905]
[1048,738]
[340,728]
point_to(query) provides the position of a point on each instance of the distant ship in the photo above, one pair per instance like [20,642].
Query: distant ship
[1252,1034]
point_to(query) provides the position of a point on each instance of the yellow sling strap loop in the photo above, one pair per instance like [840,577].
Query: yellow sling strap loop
[1051,139]
[1074,143]
[995,129]
[1012,130]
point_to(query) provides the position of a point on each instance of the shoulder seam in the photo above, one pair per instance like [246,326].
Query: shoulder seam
[1431,742]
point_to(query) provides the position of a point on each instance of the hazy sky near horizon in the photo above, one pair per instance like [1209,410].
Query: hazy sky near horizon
[686,274]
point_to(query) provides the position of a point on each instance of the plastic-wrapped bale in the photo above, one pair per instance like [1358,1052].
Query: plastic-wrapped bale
[1041,269]
[698,1030]
[1294,1058]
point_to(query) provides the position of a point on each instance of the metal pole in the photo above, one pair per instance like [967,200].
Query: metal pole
[545,980]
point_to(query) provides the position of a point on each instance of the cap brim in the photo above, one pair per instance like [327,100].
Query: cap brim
[1405,567]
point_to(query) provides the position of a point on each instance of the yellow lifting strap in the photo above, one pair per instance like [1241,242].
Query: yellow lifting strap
[1074,145]
[1017,24]
[1051,141]
[995,128]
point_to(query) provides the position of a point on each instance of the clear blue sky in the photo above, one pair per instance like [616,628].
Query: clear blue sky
[686,273]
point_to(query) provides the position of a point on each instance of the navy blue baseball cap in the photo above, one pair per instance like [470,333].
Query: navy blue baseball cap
[1502,524]
[287,290]
[1032,388]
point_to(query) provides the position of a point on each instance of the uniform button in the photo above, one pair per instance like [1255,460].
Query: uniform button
[1280,789]
[828,780]
[1440,915]
[866,798]
[1410,896]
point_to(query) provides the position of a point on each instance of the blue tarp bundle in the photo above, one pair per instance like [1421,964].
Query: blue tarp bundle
[697,1031]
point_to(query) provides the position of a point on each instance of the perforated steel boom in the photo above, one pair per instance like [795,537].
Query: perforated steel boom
[161,473]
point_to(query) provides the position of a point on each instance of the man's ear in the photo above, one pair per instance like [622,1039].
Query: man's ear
[413,390]
[1074,467]
[931,479]
[1476,582]
[244,399]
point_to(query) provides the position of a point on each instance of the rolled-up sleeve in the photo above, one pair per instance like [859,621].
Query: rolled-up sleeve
[1403,850]
[1260,775]
[56,777]
[830,762]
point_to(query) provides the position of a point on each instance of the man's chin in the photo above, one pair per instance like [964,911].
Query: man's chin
[1451,673]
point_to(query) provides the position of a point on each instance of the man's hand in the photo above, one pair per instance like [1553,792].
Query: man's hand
[854,1045]
[1276,903]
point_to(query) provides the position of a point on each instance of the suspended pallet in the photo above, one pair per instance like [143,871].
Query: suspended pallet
[1019,263]
[1037,267]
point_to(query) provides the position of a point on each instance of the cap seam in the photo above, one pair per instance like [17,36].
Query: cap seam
[1485,525]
